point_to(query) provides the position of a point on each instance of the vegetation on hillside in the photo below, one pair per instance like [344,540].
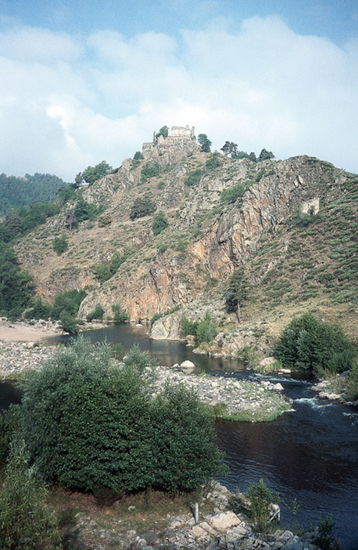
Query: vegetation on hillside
[18,192]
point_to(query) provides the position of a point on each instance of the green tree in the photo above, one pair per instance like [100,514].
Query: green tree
[308,344]
[40,310]
[150,170]
[159,223]
[26,523]
[95,173]
[120,315]
[163,132]
[238,292]
[101,272]
[138,156]
[187,327]
[16,286]
[68,301]
[69,323]
[97,313]
[205,330]
[143,206]
[116,261]
[229,148]
[205,143]
[266,155]
[85,210]
[262,501]
[185,449]
[86,423]
[60,244]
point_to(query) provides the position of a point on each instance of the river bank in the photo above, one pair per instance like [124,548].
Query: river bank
[230,398]
[137,523]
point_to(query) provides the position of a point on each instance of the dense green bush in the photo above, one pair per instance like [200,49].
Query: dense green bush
[97,313]
[352,385]
[120,315]
[150,170]
[206,330]
[16,286]
[187,327]
[26,523]
[60,244]
[233,193]
[89,424]
[212,162]
[86,211]
[159,223]
[101,272]
[262,500]
[308,344]
[193,178]
[142,206]
[40,310]
[95,173]
[68,301]
[185,451]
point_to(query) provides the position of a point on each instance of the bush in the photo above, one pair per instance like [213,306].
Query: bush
[193,178]
[212,162]
[159,223]
[68,301]
[101,272]
[41,310]
[86,423]
[26,523]
[120,315]
[206,330]
[89,424]
[60,245]
[95,173]
[262,500]
[325,539]
[187,327]
[352,386]
[97,313]
[68,323]
[185,450]
[142,206]
[233,193]
[311,345]
[150,170]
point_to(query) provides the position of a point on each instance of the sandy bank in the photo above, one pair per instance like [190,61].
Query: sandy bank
[20,332]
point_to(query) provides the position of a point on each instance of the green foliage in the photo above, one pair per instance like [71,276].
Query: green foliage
[262,500]
[18,192]
[120,315]
[116,261]
[138,360]
[104,220]
[308,344]
[101,272]
[163,132]
[143,206]
[187,327]
[40,310]
[185,451]
[66,194]
[193,178]
[325,539]
[22,220]
[233,193]
[68,301]
[229,148]
[26,523]
[252,157]
[159,223]
[60,244]
[150,170]
[117,351]
[9,425]
[157,316]
[68,323]
[352,386]
[87,423]
[97,313]
[95,173]
[138,155]
[238,291]
[205,143]
[266,155]
[16,286]
[206,330]
[212,162]
[240,155]
[85,210]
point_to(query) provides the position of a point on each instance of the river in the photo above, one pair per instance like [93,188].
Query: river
[310,454]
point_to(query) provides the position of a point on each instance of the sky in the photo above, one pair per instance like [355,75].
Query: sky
[83,81]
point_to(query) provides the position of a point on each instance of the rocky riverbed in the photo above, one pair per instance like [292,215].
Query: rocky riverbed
[230,398]
[222,525]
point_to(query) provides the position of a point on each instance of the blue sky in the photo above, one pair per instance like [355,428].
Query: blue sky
[86,81]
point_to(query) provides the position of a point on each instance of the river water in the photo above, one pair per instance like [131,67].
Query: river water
[310,454]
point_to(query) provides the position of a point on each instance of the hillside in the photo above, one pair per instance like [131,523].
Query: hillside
[291,223]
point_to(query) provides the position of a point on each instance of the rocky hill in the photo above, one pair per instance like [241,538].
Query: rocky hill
[291,223]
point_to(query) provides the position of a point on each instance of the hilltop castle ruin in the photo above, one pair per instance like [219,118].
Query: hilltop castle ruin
[180,142]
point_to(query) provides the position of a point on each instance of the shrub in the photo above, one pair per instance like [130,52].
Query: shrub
[40,310]
[212,162]
[86,423]
[138,360]
[95,173]
[193,178]
[142,206]
[262,500]
[104,220]
[26,522]
[97,313]
[120,315]
[185,450]
[352,386]
[159,223]
[187,327]
[206,330]
[60,245]
[150,170]
[233,193]
[68,301]
[311,345]
[68,322]
[101,272]
[116,261]
[138,155]
[325,539]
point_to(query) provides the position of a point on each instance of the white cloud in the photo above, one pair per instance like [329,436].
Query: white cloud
[65,104]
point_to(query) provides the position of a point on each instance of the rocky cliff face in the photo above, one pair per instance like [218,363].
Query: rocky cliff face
[207,238]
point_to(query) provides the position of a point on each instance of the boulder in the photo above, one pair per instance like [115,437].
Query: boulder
[224,520]
[187,367]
